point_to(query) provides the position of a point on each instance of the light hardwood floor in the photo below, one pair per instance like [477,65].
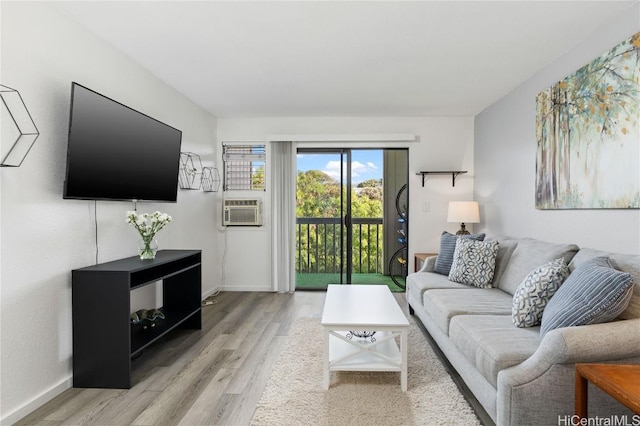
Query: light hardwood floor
[196,377]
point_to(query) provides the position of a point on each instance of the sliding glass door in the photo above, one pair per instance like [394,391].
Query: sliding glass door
[323,225]
[340,236]
[351,208]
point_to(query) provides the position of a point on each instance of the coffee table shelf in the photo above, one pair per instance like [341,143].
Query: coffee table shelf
[370,356]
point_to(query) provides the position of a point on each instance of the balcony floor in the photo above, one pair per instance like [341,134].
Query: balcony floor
[311,281]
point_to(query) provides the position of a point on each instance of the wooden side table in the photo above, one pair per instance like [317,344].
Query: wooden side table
[621,381]
[419,259]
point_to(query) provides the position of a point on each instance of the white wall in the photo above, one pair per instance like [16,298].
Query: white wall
[443,143]
[505,155]
[44,237]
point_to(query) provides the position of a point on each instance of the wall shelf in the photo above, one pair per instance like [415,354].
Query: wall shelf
[190,172]
[22,129]
[454,174]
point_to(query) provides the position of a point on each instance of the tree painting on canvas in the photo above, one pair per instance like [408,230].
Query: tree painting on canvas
[588,135]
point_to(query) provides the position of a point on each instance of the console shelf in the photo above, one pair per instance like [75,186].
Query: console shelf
[104,340]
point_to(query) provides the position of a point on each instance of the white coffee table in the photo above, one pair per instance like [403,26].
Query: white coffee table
[364,308]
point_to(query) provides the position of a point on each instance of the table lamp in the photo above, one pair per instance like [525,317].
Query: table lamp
[463,212]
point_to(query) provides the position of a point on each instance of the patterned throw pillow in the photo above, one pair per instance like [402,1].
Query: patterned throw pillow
[535,291]
[447,247]
[595,292]
[474,262]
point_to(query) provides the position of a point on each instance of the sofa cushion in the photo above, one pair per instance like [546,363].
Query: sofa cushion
[528,255]
[506,247]
[626,263]
[444,304]
[595,292]
[419,282]
[535,291]
[491,343]
[474,262]
[447,248]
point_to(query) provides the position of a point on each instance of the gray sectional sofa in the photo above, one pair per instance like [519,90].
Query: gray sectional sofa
[519,377]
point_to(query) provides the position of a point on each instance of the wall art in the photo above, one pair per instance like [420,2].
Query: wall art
[588,135]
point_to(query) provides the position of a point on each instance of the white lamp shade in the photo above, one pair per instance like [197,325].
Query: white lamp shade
[463,212]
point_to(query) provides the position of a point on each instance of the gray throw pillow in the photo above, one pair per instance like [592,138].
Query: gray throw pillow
[595,292]
[535,291]
[447,247]
[474,262]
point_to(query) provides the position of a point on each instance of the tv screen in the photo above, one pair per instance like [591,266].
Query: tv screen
[117,153]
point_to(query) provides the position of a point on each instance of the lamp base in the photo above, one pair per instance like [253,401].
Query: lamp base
[463,230]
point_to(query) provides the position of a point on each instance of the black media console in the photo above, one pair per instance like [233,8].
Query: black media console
[104,340]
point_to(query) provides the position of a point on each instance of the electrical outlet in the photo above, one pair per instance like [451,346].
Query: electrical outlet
[426,207]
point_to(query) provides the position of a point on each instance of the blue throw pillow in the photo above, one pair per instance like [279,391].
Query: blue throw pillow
[447,248]
[595,292]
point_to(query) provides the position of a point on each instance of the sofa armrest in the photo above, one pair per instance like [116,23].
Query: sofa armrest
[610,341]
[429,264]
[591,343]
[551,369]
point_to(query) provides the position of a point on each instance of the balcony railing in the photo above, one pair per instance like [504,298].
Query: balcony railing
[318,245]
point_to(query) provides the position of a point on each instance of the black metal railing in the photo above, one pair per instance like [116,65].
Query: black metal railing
[318,245]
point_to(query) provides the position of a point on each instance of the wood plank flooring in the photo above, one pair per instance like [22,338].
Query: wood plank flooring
[213,376]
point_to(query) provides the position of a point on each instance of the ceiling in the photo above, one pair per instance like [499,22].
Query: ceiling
[344,58]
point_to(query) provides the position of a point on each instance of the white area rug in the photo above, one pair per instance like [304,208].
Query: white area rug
[294,394]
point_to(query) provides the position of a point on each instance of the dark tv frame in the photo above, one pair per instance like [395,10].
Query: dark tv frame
[67,196]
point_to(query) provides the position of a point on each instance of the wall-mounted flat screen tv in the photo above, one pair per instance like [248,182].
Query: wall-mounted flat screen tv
[117,153]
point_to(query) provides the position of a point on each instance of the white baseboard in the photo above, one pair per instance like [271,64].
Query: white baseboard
[248,288]
[36,403]
[209,293]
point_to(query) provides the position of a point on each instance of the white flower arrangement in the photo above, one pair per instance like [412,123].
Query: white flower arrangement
[148,225]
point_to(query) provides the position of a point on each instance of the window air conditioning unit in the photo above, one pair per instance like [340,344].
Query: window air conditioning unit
[242,212]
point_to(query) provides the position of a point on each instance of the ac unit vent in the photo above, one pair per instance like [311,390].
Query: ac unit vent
[243,212]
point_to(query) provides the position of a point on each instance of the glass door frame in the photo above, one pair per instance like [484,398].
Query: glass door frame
[345,157]
[346,228]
